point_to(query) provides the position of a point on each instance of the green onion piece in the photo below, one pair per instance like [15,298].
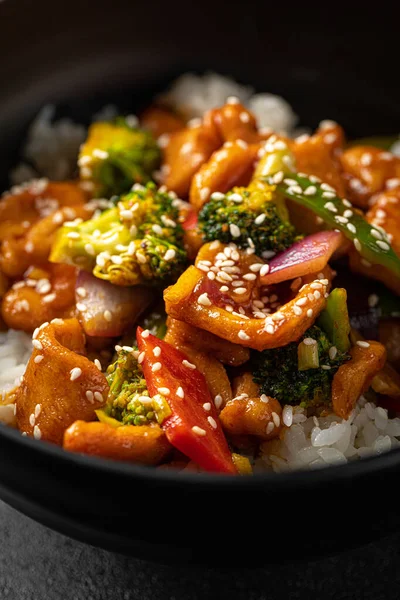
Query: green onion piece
[307,355]
[334,319]
[370,241]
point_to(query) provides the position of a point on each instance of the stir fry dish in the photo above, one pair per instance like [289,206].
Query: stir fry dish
[187,295]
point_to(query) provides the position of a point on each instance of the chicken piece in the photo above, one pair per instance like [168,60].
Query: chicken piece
[318,155]
[231,165]
[46,293]
[252,416]
[244,384]
[30,219]
[184,154]
[354,377]
[366,172]
[145,445]
[60,384]
[385,213]
[199,301]
[233,122]
[161,121]
[230,354]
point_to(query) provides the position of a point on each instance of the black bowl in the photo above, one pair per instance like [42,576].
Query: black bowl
[328,66]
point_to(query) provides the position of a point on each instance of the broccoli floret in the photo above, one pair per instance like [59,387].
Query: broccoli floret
[128,398]
[249,217]
[277,372]
[138,241]
[117,155]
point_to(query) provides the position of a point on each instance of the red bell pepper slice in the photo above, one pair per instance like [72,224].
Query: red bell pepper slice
[193,427]
[191,220]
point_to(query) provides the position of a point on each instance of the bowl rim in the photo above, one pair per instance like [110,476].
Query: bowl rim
[366,466]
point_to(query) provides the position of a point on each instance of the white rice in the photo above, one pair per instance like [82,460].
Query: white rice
[15,350]
[312,443]
[195,94]
[51,149]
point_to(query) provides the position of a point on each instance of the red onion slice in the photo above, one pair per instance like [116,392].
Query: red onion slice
[107,310]
[309,255]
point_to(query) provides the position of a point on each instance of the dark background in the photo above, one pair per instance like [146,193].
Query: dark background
[39,564]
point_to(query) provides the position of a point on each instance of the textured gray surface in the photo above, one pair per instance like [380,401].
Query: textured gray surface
[39,564]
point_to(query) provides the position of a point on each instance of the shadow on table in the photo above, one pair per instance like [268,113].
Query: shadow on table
[39,564]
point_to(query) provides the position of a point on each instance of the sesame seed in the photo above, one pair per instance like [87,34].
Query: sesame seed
[383,245]
[170,254]
[164,391]
[357,245]
[37,434]
[351,228]
[243,335]
[331,207]
[141,357]
[326,187]
[240,290]
[188,364]
[81,292]
[232,100]
[116,259]
[376,234]
[107,315]
[310,313]
[373,300]
[347,203]
[75,373]
[325,367]
[98,396]
[204,193]
[363,344]
[290,182]
[264,270]
[235,197]
[199,431]
[297,310]
[329,195]
[327,124]
[90,396]
[255,267]
[348,214]
[311,190]
[127,348]
[156,367]
[278,177]
[49,298]
[97,363]
[270,427]
[235,230]
[73,235]
[126,214]
[217,196]
[270,329]
[309,341]
[315,285]
[264,398]
[157,351]
[244,145]
[392,183]
[276,419]
[317,295]
[250,276]
[157,229]
[224,288]
[204,300]
[36,344]
[38,358]
[180,393]
[218,401]
[340,219]
[295,189]
[89,249]
[38,409]
[81,307]
[332,352]
[314,179]
[301,301]
[207,406]
[212,422]
[260,219]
